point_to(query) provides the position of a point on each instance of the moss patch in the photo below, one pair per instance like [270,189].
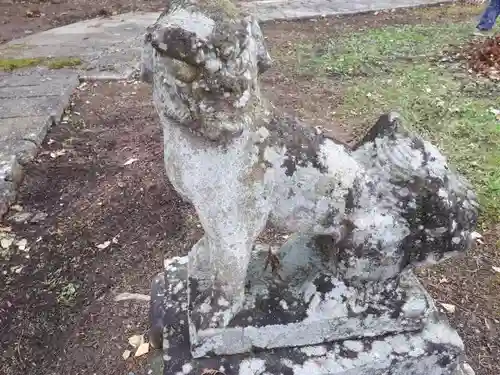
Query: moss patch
[63,63]
[51,63]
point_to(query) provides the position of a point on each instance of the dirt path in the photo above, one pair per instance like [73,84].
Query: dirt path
[108,226]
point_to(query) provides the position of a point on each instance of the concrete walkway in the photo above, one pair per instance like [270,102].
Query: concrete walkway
[32,100]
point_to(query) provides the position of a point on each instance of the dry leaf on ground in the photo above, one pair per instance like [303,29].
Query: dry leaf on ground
[104,245]
[130,161]
[449,307]
[142,349]
[136,340]
[126,354]
[132,296]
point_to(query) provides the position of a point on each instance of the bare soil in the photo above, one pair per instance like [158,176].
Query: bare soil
[58,314]
[91,197]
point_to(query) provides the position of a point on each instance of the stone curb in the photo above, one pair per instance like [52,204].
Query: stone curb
[17,150]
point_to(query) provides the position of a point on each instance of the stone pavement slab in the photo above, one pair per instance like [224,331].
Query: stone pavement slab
[30,102]
[267,10]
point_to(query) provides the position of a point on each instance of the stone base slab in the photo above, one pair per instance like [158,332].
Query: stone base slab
[297,309]
[435,349]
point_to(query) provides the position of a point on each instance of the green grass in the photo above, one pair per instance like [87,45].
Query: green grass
[52,63]
[61,63]
[448,107]
[435,105]
[372,50]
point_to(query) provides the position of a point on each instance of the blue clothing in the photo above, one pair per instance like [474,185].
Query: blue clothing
[489,16]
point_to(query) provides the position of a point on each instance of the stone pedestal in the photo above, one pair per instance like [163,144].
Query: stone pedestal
[332,328]
[304,304]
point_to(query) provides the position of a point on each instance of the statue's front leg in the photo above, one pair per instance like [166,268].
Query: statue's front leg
[218,263]
[217,273]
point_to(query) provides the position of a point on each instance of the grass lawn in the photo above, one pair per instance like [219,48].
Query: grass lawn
[403,68]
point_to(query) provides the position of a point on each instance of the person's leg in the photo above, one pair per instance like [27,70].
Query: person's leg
[489,16]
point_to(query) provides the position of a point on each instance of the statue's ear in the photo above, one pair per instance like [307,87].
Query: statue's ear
[386,126]
[264,60]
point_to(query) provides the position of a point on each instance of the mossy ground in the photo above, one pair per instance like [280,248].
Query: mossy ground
[10,64]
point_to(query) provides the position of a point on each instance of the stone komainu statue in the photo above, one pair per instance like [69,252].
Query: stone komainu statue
[389,202]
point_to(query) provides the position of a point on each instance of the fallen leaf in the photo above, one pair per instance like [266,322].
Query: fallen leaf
[21,245]
[142,349]
[33,13]
[444,280]
[17,269]
[16,207]
[126,354]
[130,161]
[104,245]
[496,269]
[6,242]
[57,153]
[475,235]
[40,216]
[132,296]
[448,307]
[136,340]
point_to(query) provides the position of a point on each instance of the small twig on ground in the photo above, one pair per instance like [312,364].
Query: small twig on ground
[132,296]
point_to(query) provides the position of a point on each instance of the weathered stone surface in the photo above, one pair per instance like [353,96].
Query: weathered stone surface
[307,305]
[372,211]
[436,349]
[362,217]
